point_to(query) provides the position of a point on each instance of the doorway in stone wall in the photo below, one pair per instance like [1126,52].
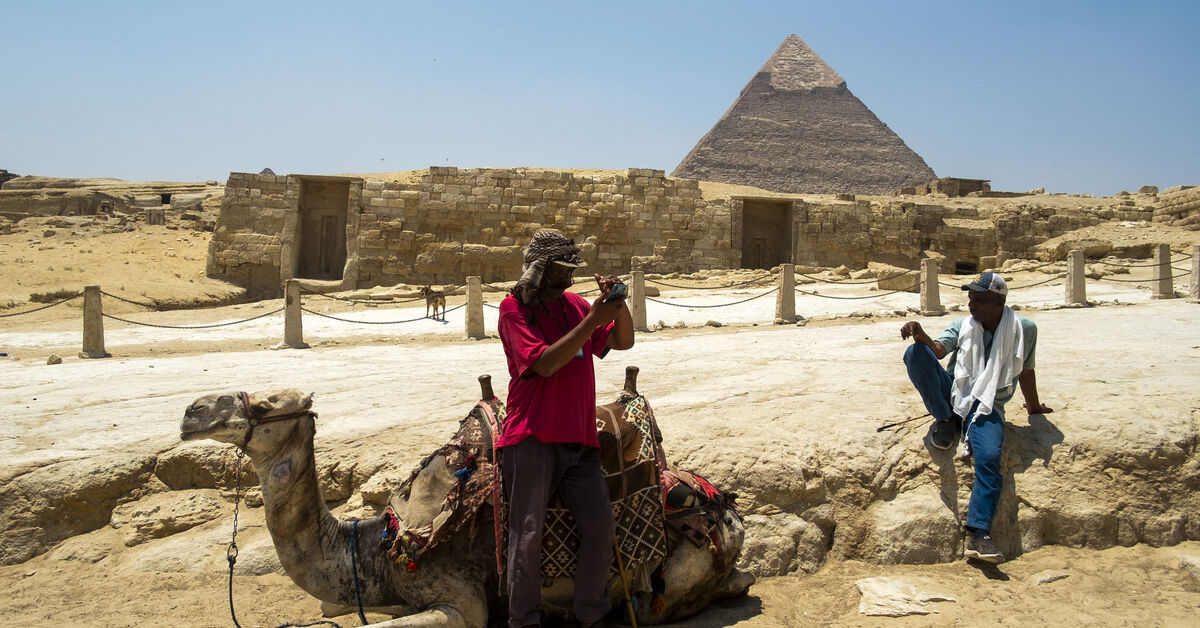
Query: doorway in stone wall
[766,233]
[322,238]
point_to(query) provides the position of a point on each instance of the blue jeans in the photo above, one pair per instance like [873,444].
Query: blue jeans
[985,436]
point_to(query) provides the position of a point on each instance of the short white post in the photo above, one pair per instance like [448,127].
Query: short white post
[1076,287]
[1164,286]
[475,308]
[93,324]
[293,328]
[1194,289]
[637,300]
[931,296]
[785,300]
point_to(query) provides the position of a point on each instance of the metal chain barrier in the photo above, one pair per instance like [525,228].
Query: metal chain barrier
[1038,283]
[1124,265]
[771,291]
[153,306]
[869,296]
[410,320]
[214,325]
[1183,274]
[732,285]
[44,307]
[852,283]
[364,301]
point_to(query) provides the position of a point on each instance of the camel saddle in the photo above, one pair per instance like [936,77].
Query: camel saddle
[463,475]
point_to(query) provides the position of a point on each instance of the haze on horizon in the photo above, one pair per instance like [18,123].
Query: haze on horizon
[1081,97]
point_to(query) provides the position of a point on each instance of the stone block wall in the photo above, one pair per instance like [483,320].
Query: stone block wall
[1180,208]
[460,222]
[246,245]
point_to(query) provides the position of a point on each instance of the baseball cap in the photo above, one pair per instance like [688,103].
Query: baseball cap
[988,282]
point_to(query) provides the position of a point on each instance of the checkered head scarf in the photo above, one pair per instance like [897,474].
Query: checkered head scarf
[545,246]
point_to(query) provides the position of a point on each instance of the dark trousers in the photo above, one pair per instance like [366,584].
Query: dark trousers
[985,435]
[533,472]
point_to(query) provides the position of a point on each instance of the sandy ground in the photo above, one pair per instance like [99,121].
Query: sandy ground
[134,401]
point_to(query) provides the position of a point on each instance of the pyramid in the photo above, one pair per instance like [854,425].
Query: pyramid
[797,128]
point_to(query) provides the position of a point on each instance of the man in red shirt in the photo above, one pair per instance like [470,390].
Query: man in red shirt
[549,444]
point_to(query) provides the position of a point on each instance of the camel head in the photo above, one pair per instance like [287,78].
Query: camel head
[256,422]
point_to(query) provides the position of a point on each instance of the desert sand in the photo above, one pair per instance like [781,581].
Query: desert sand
[743,402]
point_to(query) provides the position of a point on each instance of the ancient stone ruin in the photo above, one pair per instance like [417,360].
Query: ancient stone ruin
[796,127]
[341,233]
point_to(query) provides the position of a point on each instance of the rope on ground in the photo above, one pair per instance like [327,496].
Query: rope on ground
[410,320]
[772,290]
[226,324]
[494,307]
[1150,280]
[38,309]
[732,285]
[153,306]
[851,283]
[869,296]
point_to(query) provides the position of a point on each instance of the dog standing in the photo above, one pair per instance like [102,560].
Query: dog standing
[434,300]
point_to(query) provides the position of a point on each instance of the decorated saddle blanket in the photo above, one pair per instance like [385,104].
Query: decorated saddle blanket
[631,460]
[647,495]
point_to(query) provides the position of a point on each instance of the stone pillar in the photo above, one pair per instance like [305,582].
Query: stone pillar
[93,324]
[475,308]
[1076,287]
[785,299]
[293,329]
[1194,289]
[637,300]
[1164,286]
[931,296]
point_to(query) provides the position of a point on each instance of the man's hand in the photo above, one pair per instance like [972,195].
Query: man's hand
[911,329]
[1039,408]
[602,313]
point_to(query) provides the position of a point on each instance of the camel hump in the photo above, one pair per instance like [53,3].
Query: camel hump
[485,387]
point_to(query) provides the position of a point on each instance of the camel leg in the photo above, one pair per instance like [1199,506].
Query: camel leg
[333,609]
[736,584]
[441,616]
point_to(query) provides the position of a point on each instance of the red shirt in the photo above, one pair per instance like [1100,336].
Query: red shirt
[556,409]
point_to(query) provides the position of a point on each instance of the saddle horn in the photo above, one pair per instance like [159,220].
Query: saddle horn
[485,387]
[631,373]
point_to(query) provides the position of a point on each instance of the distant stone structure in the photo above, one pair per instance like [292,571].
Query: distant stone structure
[796,127]
[343,233]
[1179,206]
[6,176]
[24,197]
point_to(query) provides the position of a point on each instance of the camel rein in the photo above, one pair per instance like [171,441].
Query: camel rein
[231,553]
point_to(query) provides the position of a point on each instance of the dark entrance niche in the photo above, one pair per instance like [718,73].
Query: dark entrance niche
[166,199]
[322,238]
[766,233]
[965,268]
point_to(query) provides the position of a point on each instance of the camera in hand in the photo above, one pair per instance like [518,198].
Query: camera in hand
[616,292]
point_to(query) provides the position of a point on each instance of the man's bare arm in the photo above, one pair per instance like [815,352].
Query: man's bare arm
[1028,381]
[913,329]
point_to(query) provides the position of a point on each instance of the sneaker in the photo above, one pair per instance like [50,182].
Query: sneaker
[981,547]
[943,433]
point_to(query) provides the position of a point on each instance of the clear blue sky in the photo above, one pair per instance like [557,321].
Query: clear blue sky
[1075,96]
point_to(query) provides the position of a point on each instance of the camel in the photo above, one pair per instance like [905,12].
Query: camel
[457,584]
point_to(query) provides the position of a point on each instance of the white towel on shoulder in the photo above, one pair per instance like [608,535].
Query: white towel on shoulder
[977,379]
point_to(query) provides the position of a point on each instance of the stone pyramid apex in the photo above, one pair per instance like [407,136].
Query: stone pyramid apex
[796,127]
[794,66]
